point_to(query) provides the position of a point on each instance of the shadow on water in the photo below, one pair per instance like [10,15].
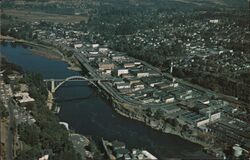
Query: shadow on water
[61,100]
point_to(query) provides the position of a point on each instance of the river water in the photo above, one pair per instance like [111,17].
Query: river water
[94,115]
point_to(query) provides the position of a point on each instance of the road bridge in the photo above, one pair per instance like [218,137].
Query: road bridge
[60,82]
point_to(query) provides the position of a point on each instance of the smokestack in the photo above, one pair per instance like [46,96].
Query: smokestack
[171,68]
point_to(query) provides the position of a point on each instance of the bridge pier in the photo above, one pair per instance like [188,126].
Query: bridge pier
[52,86]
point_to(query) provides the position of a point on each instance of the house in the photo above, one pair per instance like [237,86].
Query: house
[15,76]
[23,97]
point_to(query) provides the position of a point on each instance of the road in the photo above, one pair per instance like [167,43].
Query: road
[109,89]
[123,99]
[10,132]
[7,101]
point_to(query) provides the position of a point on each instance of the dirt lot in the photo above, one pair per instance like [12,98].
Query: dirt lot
[32,16]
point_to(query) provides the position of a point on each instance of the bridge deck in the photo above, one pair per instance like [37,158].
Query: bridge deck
[60,80]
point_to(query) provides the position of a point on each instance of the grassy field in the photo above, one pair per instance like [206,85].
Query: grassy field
[31,16]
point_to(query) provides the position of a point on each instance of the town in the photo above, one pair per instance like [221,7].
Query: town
[144,84]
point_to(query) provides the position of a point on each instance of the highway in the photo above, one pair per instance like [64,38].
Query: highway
[108,87]
[123,99]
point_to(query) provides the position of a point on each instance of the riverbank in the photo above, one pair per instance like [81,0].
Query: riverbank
[153,123]
[39,49]
[96,117]
[42,50]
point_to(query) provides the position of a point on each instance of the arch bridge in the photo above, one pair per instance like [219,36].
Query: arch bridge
[55,86]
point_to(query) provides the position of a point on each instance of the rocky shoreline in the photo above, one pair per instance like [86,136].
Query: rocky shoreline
[157,125]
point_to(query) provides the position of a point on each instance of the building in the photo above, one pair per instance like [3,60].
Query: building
[153,73]
[15,76]
[95,45]
[78,45]
[23,97]
[171,109]
[182,94]
[123,86]
[103,50]
[168,98]
[106,66]
[152,81]
[118,57]
[118,145]
[166,84]
[45,157]
[214,21]
[93,53]
[148,100]
[132,80]
[140,73]
[194,119]
[122,71]
[127,76]
[138,86]
[120,153]
[128,65]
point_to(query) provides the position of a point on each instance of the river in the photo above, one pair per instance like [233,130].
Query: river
[94,115]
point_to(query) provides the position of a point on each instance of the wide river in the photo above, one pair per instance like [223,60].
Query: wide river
[94,115]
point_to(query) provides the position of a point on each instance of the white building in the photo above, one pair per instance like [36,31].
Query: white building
[202,122]
[23,97]
[95,45]
[142,74]
[168,99]
[123,86]
[93,53]
[215,116]
[103,50]
[214,21]
[122,71]
[77,45]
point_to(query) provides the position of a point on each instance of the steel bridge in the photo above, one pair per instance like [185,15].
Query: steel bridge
[55,86]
